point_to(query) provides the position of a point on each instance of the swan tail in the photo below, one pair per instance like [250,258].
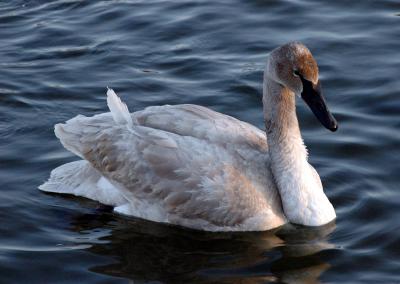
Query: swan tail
[79,178]
[69,177]
[118,108]
[70,134]
[74,132]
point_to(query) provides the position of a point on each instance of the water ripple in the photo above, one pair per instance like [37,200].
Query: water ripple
[57,57]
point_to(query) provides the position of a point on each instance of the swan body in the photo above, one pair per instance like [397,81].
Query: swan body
[191,166]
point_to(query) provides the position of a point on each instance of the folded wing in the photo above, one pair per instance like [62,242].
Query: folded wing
[183,164]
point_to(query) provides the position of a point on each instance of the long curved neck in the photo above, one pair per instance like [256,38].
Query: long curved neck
[300,188]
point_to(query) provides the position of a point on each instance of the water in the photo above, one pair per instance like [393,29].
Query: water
[57,57]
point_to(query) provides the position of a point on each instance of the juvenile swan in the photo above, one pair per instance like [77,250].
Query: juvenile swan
[191,166]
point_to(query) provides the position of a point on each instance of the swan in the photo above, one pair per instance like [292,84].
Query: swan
[191,166]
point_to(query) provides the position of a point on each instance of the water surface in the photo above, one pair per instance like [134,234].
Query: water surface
[57,57]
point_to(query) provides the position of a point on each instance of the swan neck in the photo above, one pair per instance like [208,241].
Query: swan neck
[282,127]
[299,185]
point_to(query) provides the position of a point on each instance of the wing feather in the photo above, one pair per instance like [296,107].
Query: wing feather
[203,123]
[185,168]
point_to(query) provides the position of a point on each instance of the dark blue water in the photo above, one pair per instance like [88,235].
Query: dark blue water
[57,57]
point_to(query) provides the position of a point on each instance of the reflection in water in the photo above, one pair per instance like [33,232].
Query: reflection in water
[147,251]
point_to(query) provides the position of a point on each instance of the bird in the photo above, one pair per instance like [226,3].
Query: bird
[193,167]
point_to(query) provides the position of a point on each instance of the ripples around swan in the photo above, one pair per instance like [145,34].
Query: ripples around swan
[57,57]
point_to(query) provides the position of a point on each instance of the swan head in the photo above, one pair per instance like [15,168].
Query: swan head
[293,66]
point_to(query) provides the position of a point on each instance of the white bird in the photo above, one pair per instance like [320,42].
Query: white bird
[191,166]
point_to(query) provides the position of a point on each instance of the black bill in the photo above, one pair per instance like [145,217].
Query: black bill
[312,95]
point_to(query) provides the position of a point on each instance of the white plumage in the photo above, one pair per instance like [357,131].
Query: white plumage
[185,165]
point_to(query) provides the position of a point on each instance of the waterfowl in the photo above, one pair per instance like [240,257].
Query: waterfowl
[191,166]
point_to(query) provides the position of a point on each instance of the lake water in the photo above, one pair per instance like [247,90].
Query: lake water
[57,57]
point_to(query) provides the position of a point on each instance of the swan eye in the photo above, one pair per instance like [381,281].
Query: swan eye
[296,73]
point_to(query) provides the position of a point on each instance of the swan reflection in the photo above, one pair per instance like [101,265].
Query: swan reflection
[143,251]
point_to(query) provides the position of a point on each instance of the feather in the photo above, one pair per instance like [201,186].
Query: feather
[119,110]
